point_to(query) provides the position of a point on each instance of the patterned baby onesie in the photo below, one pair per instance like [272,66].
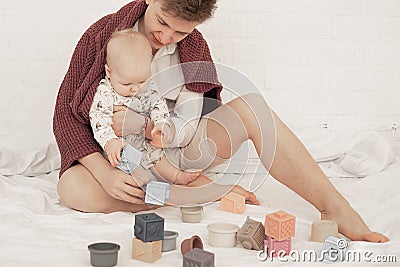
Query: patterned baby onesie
[148,104]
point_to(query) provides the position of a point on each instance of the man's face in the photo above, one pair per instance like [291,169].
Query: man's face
[162,28]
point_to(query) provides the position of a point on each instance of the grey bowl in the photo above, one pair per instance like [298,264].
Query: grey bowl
[103,254]
[169,241]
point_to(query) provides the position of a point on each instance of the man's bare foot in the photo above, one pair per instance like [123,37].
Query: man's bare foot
[185,177]
[352,225]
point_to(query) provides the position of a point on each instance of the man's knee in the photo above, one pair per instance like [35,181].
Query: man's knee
[70,185]
[254,101]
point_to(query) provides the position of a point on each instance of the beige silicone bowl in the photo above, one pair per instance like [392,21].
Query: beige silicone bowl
[222,234]
[320,230]
[192,214]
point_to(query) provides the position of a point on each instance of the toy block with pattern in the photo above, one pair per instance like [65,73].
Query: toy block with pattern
[274,247]
[198,258]
[149,227]
[157,193]
[146,251]
[233,202]
[251,234]
[130,159]
[280,225]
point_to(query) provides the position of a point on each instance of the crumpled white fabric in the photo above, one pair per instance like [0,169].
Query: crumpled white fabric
[352,153]
[372,154]
[29,161]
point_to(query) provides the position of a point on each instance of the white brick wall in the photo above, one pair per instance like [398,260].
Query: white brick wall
[316,61]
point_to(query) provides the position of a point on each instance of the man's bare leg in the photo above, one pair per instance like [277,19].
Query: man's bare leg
[79,190]
[292,165]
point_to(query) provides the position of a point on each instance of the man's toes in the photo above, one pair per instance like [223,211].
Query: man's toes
[375,237]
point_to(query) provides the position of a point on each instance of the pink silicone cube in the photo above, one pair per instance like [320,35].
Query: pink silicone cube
[233,202]
[280,225]
[274,247]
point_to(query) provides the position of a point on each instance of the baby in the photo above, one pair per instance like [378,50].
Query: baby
[129,56]
[127,82]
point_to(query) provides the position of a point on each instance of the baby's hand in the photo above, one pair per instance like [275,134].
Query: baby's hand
[113,150]
[165,130]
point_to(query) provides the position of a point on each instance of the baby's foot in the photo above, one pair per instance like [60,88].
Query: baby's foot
[185,177]
[251,199]
[352,226]
[249,196]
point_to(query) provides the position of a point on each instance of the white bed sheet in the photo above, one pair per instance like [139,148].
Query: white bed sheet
[36,230]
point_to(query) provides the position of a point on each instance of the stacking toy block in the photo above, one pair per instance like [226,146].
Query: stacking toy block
[277,248]
[146,251]
[198,258]
[334,249]
[130,159]
[233,202]
[252,235]
[157,193]
[149,227]
[280,225]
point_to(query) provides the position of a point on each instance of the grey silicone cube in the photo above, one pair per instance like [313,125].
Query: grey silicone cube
[199,258]
[130,159]
[149,227]
[103,254]
[157,193]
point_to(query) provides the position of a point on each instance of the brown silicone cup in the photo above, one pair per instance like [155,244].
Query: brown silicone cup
[191,243]
[320,230]
[156,141]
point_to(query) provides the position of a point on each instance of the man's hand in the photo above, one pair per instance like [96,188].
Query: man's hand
[115,182]
[122,186]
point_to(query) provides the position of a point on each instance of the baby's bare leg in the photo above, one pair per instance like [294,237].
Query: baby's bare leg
[250,197]
[166,170]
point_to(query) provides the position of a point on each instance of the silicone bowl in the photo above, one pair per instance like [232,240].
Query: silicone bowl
[169,241]
[191,243]
[103,254]
[192,214]
[320,230]
[222,234]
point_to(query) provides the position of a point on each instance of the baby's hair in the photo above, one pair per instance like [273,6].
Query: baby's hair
[129,38]
[190,10]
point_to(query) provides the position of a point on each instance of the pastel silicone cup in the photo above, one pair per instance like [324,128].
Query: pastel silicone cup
[191,243]
[320,230]
[103,254]
[169,241]
[191,214]
[222,234]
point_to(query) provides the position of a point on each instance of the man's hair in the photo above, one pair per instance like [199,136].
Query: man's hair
[190,10]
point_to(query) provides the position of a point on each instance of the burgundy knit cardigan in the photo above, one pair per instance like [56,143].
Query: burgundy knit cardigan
[71,124]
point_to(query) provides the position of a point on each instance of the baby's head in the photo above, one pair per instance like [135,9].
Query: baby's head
[129,56]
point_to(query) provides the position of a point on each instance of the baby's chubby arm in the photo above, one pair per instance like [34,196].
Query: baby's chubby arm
[100,115]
